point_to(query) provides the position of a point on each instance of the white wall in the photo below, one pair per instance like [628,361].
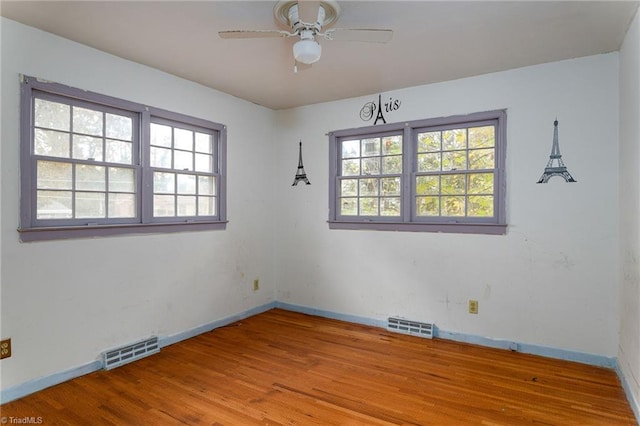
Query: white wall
[550,281]
[629,351]
[64,302]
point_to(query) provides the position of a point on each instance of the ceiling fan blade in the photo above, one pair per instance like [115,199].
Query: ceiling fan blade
[308,11]
[254,33]
[366,35]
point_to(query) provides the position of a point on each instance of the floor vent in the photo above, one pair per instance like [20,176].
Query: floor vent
[414,328]
[126,354]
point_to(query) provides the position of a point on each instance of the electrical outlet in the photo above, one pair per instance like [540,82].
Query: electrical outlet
[256,284]
[5,348]
[473,306]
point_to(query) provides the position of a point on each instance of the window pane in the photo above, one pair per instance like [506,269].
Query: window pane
[119,127]
[454,139]
[122,205]
[90,205]
[371,166]
[186,205]
[390,206]
[52,115]
[480,206]
[350,167]
[87,121]
[454,160]
[392,165]
[452,164]
[349,187]
[390,186]
[160,135]
[429,162]
[481,137]
[453,206]
[87,148]
[119,152]
[349,206]
[161,157]
[183,139]
[392,145]
[164,205]
[370,147]
[186,184]
[206,185]
[90,178]
[204,143]
[429,142]
[54,175]
[482,159]
[428,185]
[204,163]
[368,187]
[89,159]
[206,206]
[351,149]
[369,207]
[121,180]
[481,183]
[428,206]
[50,143]
[54,205]
[453,184]
[183,160]
[164,183]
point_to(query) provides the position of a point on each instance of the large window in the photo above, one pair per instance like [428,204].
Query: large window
[441,175]
[95,165]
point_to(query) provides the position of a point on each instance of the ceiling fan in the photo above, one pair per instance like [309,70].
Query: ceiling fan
[306,20]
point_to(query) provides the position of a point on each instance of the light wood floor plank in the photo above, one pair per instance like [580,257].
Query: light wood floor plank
[286,368]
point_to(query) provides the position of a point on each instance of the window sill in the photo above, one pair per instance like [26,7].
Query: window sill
[449,228]
[92,231]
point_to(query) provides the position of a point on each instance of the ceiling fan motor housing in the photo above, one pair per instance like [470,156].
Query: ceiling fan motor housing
[287,13]
[307,50]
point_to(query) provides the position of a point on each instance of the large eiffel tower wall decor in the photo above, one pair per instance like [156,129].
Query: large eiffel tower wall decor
[559,169]
[301,175]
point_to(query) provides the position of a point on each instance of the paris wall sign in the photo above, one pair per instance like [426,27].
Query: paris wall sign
[371,109]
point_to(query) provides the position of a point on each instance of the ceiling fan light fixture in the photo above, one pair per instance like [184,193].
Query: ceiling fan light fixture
[307,51]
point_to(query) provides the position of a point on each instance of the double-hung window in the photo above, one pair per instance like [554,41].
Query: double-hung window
[440,175]
[94,165]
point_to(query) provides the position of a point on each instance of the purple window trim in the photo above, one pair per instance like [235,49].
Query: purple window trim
[31,229]
[407,222]
[71,232]
[449,228]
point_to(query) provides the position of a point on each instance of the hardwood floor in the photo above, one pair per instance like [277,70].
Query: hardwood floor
[285,368]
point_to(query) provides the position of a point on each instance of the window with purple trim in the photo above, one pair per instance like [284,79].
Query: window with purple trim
[436,175]
[94,165]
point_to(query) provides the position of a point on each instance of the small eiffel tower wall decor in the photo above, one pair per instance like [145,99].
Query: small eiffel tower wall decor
[560,169]
[300,174]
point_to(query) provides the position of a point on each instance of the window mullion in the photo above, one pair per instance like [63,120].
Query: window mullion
[74,189]
[408,186]
[145,172]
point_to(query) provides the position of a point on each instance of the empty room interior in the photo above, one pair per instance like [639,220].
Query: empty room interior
[320,212]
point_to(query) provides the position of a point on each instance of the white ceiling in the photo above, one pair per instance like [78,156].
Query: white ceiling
[432,42]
